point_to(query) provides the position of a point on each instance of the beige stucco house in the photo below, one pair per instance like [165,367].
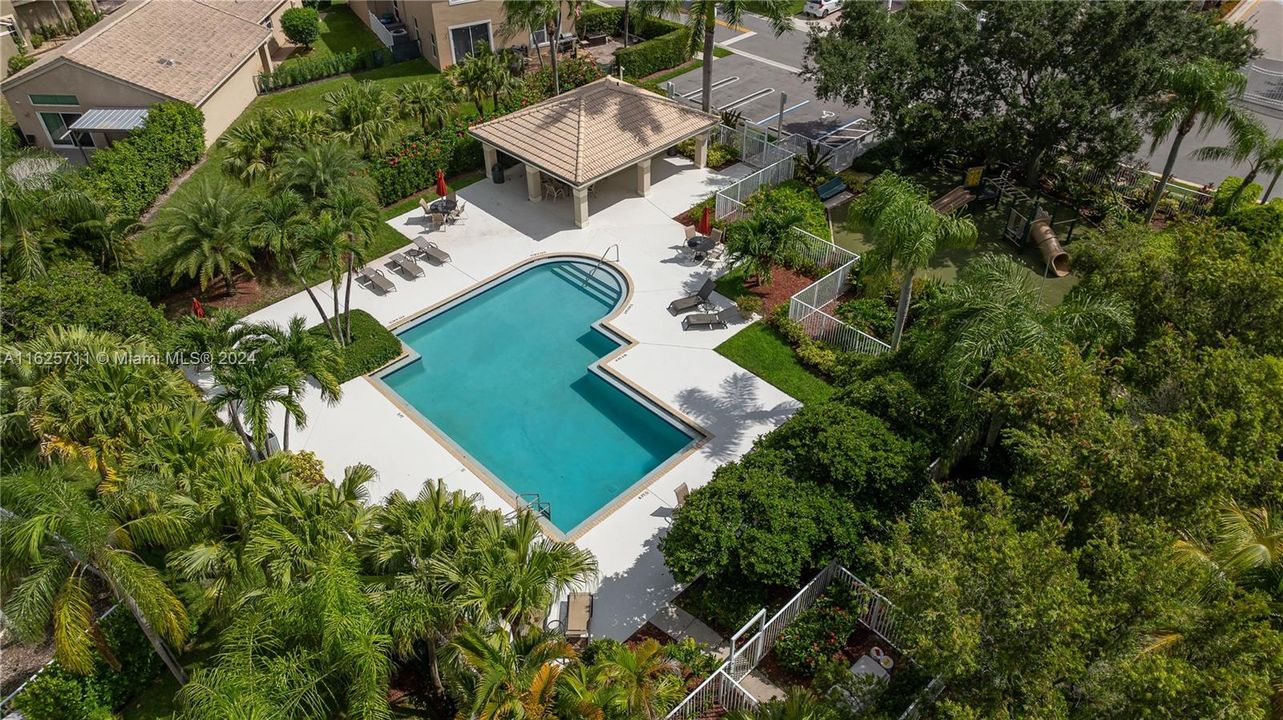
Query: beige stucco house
[448,30]
[205,52]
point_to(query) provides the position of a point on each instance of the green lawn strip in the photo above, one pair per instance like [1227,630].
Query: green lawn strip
[341,32]
[719,52]
[760,350]
[733,285]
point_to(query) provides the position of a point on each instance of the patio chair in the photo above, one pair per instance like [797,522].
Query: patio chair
[375,278]
[457,214]
[425,206]
[429,249]
[691,233]
[405,265]
[714,254]
[716,235]
[438,221]
[682,493]
[452,196]
[578,615]
[721,318]
[692,302]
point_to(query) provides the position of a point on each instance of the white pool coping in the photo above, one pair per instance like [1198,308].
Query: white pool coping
[677,368]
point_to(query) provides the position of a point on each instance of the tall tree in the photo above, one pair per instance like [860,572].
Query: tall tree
[526,15]
[1249,142]
[702,20]
[362,113]
[208,231]
[63,545]
[650,683]
[907,233]
[316,171]
[248,391]
[37,195]
[279,226]
[1201,92]
[323,244]
[512,677]
[358,217]
[313,356]
[428,102]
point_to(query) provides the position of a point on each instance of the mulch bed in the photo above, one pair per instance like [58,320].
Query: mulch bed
[251,291]
[649,632]
[785,284]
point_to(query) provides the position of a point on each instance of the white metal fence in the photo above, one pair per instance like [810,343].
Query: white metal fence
[722,688]
[380,30]
[1134,179]
[806,307]
[730,200]
[1265,84]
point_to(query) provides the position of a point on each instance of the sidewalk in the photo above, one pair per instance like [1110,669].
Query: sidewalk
[679,624]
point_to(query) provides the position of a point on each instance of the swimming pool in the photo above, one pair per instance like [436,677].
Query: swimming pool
[507,374]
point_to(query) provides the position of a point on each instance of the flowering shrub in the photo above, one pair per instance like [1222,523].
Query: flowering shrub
[818,634]
[412,165]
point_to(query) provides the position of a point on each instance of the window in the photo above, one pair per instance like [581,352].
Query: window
[539,38]
[468,39]
[57,123]
[53,99]
[434,44]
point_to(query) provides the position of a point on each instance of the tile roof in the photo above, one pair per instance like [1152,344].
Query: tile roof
[182,49]
[594,130]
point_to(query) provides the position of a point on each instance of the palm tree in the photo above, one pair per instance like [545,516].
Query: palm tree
[362,113]
[1246,548]
[279,226]
[107,237]
[799,704]
[323,244]
[994,311]
[526,15]
[427,102]
[316,171]
[1202,92]
[311,355]
[208,231]
[63,545]
[1251,143]
[763,240]
[907,232]
[702,20]
[251,149]
[517,571]
[37,194]
[299,127]
[412,539]
[358,217]
[584,693]
[484,74]
[512,677]
[248,390]
[650,683]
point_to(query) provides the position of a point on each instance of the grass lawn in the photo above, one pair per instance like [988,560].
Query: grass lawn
[759,349]
[341,33]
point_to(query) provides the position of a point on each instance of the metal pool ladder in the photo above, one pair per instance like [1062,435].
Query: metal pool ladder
[533,502]
[600,260]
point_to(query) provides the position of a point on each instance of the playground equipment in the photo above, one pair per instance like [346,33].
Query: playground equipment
[1028,223]
[973,186]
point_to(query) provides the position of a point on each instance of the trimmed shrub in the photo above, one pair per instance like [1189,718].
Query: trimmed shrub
[870,315]
[75,293]
[372,346]
[819,633]
[597,19]
[1226,190]
[20,61]
[413,165]
[792,196]
[131,174]
[301,25]
[306,70]
[1263,224]
[669,48]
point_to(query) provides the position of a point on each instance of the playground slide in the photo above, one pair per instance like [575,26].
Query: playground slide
[1053,254]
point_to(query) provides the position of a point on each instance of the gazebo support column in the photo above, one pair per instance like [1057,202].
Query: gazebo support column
[532,183]
[701,151]
[581,206]
[492,159]
[643,177]
[265,59]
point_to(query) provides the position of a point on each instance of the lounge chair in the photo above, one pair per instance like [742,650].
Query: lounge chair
[377,279]
[578,615]
[429,249]
[405,265]
[721,318]
[682,493]
[692,302]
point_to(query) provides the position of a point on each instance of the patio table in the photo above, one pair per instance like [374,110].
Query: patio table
[443,205]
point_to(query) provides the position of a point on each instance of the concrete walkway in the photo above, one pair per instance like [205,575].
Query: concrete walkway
[679,624]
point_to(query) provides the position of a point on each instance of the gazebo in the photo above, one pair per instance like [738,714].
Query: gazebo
[591,132]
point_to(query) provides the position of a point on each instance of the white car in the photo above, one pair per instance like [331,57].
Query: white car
[821,8]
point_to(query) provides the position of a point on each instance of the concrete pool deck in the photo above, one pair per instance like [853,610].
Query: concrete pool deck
[678,368]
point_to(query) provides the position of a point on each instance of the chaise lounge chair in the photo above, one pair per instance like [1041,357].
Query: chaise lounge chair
[429,249]
[376,279]
[721,318]
[692,302]
[405,265]
[578,615]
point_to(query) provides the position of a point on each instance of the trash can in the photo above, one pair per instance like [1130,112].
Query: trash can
[496,173]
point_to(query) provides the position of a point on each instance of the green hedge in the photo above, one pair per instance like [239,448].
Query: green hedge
[372,346]
[597,19]
[413,165]
[75,293]
[306,70]
[57,694]
[131,174]
[668,48]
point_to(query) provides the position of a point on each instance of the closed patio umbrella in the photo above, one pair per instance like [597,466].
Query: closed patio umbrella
[442,190]
[705,222]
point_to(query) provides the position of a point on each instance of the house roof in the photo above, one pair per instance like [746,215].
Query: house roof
[594,130]
[183,50]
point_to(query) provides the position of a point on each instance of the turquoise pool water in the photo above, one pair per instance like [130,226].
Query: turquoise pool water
[505,375]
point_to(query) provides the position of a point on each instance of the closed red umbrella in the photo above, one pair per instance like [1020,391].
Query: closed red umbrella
[197,309]
[705,222]
[442,190]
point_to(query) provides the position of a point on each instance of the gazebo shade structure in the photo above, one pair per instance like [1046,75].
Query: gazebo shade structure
[586,134]
[109,119]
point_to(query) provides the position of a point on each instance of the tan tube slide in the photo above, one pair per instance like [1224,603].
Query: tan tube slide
[1053,254]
